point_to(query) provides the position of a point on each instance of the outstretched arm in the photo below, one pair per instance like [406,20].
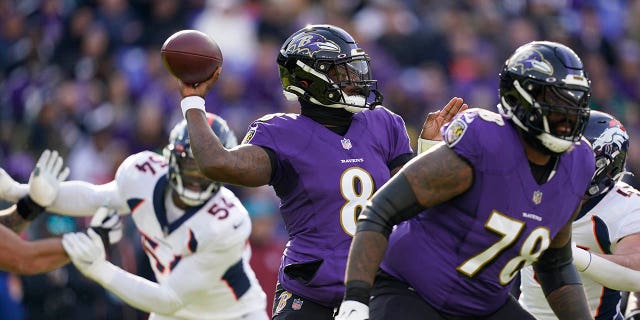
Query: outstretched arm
[26,258]
[245,165]
[619,270]
[192,276]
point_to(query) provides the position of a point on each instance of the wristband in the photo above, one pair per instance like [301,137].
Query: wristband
[357,290]
[28,209]
[425,144]
[192,102]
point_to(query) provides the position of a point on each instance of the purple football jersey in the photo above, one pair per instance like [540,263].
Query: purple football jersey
[462,256]
[324,179]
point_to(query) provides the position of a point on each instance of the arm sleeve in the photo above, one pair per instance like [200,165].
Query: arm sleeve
[393,203]
[605,272]
[79,198]
[136,291]
[193,275]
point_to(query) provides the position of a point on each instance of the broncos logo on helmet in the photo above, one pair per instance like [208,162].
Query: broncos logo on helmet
[310,44]
[610,143]
[615,135]
[531,60]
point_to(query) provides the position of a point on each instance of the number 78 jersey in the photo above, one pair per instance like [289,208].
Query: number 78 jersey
[203,255]
[462,255]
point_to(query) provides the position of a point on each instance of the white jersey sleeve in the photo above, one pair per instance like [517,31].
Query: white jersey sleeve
[79,198]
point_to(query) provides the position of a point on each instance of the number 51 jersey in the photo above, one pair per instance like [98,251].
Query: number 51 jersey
[202,255]
[461,256]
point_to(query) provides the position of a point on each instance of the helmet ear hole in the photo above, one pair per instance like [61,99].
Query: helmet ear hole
[333,95]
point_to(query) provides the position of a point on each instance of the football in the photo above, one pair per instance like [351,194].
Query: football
[191,56]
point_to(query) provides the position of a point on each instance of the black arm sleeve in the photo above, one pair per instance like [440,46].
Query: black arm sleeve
[392,204]
[29,209]
[554,269]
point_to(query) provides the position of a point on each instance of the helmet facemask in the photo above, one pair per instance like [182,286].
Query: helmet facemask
[545,92]
[191,186]
[557,116]
[185,178]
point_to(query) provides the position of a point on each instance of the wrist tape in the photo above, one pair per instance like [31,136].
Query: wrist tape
[425,144]
[192,102]
[28,209]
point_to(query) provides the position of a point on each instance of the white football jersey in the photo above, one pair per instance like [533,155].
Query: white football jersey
[617,215]
[203,255]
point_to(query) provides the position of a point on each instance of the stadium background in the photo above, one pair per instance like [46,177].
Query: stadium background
[85,78]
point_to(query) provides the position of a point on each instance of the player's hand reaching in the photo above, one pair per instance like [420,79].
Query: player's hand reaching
[106,223]
[353,310]
[435,120]
[8,187]
[200,89]
[86,251]
[46,177]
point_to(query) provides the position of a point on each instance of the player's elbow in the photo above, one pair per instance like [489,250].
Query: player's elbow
[171,304]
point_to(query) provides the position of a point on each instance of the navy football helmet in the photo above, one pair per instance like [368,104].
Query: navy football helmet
[185,178]
[610,143]
[544,90]
[323,64]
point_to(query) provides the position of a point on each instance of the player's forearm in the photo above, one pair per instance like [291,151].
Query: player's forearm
[367,251]
[42,256]
[136,291]
[247,165]
[79,198]
[606,271]
[569,303]
[11,219]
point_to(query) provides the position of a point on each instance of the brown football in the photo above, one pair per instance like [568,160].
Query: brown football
[191,56]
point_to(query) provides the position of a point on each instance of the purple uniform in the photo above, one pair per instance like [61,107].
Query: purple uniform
[323,180]
[468,251]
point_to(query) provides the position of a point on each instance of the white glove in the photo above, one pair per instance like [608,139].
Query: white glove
[46,177]
[8,187]
[106,223]
[86,251]
[353,310]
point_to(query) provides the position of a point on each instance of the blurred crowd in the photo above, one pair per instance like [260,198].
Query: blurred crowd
[85,78]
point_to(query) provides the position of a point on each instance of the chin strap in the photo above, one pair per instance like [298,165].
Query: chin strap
[377,101]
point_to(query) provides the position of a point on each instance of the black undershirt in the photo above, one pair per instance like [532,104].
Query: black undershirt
[541,173]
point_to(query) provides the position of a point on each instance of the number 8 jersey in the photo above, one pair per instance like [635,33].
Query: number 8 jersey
[503,222]
[323,180]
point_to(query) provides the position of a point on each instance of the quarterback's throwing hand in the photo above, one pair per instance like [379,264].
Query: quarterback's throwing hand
[46,177]
[353,310]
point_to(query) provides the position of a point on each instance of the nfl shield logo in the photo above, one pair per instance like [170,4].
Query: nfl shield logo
[297,304]
[537,197]
[346,143]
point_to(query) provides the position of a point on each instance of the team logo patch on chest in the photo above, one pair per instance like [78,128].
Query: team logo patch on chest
[537,197]
[454,132]
[346,143]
